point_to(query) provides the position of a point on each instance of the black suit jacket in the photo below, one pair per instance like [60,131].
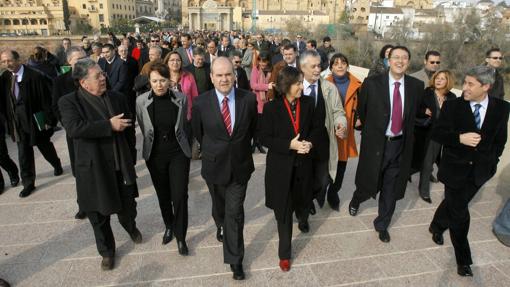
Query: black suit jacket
[225,158]
[226,52]
[374,110]
[63,85]
[459,162]
[118,75]
[242,79]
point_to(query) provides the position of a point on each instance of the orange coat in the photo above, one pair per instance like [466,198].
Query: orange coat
[347,147]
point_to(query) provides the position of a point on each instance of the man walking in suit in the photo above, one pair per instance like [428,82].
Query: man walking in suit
[105,178]
[300,44]
[225,47]
[387,107]
[290,58]
[27,98]
[186,51]
[116,70]
[473,132]
[241,79]
[224,121]
[431,64]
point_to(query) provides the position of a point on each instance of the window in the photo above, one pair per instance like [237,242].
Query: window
[101,18]
[84,6]
[15,22]
[100,5]
[363,9]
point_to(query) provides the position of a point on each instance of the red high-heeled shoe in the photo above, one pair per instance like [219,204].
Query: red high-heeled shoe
[285,265]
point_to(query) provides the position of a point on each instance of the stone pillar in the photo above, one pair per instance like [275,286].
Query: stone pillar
[190,21]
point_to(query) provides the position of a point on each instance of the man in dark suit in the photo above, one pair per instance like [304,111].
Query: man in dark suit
[63,85]
[224,121]
[241,79]
[473,132]
[116,70]
[212,52]
[105,178]
[387,107]
[312,45]
[132,69]
[28,96]
[5,160]
[290,58]
[300,44]
[225,47]
[186,51]
[201,71]
[494,59]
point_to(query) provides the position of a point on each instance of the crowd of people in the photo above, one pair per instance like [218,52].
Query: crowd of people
[220,97]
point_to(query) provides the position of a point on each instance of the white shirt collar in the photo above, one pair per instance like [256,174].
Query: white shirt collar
[392,80]
[484,103]
[306,86]
[113,59]
[19,73]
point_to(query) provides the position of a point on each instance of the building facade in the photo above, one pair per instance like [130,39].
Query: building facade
[237,14]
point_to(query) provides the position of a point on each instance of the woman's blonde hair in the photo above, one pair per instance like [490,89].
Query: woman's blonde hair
[450,79]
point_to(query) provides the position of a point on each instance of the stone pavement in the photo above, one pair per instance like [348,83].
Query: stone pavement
[41,244]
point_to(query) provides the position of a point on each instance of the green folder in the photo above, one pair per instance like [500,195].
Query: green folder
[40,121]
[65,69]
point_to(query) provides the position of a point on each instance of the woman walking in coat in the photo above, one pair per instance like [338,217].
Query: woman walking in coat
[260,85]
[426,151]
[180,80]
[348,86]
[161,113]
[288,124]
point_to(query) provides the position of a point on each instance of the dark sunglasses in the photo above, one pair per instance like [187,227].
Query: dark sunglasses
[435,62]
[497,58]
[237,62]
[157,41]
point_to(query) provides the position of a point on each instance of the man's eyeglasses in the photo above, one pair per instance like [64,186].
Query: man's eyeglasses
[155,41]
[435,62]
[497,58]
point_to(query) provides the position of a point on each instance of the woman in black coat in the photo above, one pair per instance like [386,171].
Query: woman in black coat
[426,151]
[287,129]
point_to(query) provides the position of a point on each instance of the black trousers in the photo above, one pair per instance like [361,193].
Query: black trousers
[388,174]
[5,160]
[105,241]
[70,148]
[170,175]
[453,214]
[26,156]
[427,167]
[285,225]
[321,176]
[335,186]
[228,212]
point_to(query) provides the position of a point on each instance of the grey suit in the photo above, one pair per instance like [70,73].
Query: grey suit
[422,76]
[184,56]
[142,114]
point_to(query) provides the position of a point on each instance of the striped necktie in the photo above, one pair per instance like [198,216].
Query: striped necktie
[478,119]
[225,112]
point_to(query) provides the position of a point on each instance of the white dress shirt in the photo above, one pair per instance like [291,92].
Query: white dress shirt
[307,90]
[389,133]
[482,110]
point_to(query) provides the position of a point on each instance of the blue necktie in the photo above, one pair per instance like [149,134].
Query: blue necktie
[313,94]
[478,119]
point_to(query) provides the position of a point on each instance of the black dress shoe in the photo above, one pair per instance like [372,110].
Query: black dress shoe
[304,226]
[58,171]
[80,215]
[182,247]
[353,209]
[27,190]
[437,237]
[384,236]
[219,234]
[107,263]
[4,283]
[237,269]
[14,179]
[426,199]
[312,210]
[464,270]
[136,236]
[168,236]
[433,179]
[334,200]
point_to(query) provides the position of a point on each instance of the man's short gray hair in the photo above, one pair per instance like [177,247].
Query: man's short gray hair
[73,49]
[157,49]
[303,57]
[483,74]
[81,69]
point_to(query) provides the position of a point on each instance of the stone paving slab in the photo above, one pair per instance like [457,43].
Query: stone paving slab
[41,244]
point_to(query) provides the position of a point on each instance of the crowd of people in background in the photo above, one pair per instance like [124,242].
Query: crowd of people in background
[220,97]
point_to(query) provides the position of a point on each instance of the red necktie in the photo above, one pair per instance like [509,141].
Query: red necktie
[225,112]
[190,58]
[396,113]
